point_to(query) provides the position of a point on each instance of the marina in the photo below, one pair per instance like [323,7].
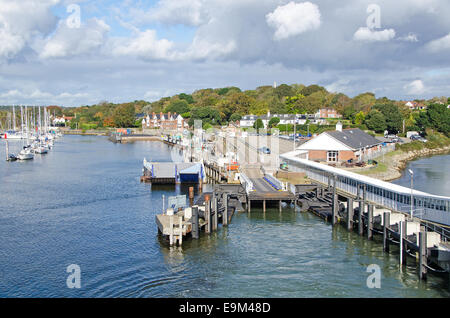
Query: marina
[108,227]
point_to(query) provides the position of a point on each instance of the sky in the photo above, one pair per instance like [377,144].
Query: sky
[81,52]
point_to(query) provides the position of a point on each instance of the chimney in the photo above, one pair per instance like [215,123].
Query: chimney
[268,113]
[339,126]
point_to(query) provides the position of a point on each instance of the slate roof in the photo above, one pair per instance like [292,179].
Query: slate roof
[354,138]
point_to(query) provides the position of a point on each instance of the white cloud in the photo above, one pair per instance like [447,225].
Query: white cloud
[411,37]
[415,88]
[36,96]
[440,44]
[293,19]
[21,21]
[145,45]
[187,12]
[69,41]
[368,35]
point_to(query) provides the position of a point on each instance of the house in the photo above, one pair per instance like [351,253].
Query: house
[167,121]
[342,145]
[247,121]
[415,105]
[300,119]
[328,113]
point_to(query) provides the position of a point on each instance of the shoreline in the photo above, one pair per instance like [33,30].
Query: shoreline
[398,162]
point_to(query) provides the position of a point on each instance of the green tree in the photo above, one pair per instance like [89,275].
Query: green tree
[392,115]
[359,118]
[258,124]
[235,117]
[273,122]
[124,115]
[178,106]
[376,121]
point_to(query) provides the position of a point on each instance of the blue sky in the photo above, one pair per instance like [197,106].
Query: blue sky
[135,49]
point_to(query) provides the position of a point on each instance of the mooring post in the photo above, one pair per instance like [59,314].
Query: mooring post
[350,214]
[335,203]
[180,231]
[216,213]
[191,196]
[225,211]
[249,205]
[400,244]
[195,232]
[386,224]
[405,242]
[207,217]
[264,206]
[280,206]
[171,230]
[422,256]
[370,222]
[360,219]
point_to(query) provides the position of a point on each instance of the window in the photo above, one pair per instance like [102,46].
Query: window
[332,156]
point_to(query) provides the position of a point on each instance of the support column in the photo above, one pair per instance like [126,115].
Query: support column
[350,214]
[386,224]
[360,218]
[405,243]
[264,206]
[280,206]
[370,222]
[400,227]
[195,229]
[216,212]
[207,217]
[422,256]
[249,205]
[225,211]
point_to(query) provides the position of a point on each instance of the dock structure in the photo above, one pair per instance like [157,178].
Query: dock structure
[426,242]
[173,172]
[209,210]
[263,188]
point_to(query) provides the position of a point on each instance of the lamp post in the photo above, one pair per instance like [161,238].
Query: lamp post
[411,173]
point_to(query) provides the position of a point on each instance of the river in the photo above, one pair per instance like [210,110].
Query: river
[431,175]
[83,204]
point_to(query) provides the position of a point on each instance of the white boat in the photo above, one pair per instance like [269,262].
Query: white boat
[11,134]
[25,154]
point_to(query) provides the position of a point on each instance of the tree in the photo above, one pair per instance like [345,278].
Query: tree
[436,117]
[359,118]
[273,122]
[235,117]
[376,121]
[124,115]
[311,89]
[284,90]
[392,115]
[188,98]
[258,124]
[178,106]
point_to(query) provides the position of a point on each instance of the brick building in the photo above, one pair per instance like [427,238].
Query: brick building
[328,113]
[341,145]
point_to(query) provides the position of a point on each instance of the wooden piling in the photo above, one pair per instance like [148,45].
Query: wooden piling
[191,196]
[249,205]
[386,224]
[360,218]
[370,222]
[400,228]
[216,213]
[264,206]
[195,225]
[225,212]
[422,256]
[207,216]
[350,214]
[280,206]
[404,243]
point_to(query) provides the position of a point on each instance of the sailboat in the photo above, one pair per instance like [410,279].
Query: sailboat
[26,153]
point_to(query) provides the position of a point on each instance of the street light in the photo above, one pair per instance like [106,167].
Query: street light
[411,173]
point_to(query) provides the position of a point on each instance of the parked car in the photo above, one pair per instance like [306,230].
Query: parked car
[415,137]
[265,150]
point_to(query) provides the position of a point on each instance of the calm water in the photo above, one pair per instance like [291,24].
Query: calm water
[431,175]
[83,204]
